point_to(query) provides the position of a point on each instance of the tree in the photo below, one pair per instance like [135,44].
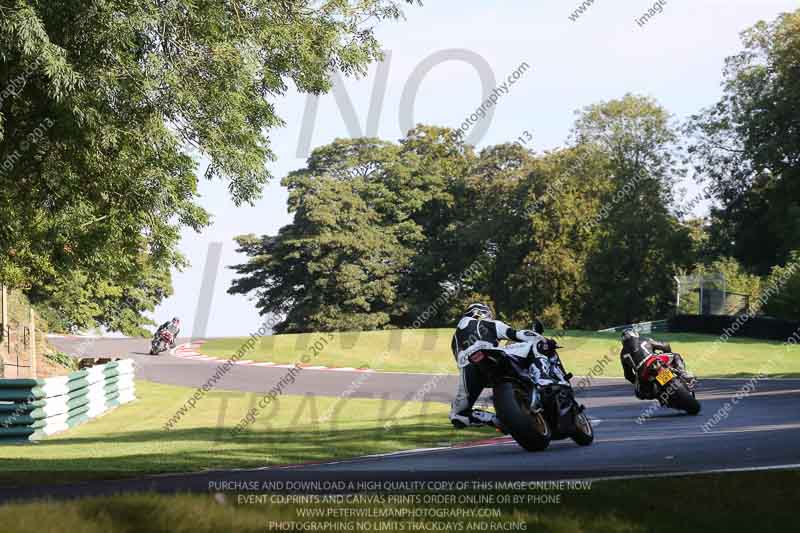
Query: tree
[115,104]
[785,302]
[382,231]
[373,239]
[560,194]
[747,146]
[86,300]
[338,264]
[641,245]
[435,164]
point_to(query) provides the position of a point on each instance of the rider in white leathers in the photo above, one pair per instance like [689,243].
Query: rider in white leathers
[477,330]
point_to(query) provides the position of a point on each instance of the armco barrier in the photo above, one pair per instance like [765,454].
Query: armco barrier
[31,409]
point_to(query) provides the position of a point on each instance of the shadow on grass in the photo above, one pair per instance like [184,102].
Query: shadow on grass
[204,448]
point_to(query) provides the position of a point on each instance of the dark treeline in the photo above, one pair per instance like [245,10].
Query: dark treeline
[588,235]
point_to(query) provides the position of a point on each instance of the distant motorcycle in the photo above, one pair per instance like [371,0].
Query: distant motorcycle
[161,342]
[661,373]
[533,414]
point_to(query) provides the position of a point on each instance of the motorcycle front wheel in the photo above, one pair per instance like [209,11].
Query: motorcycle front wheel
[584,433]
[529,429]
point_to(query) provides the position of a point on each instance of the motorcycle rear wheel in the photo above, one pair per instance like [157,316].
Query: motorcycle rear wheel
[529,429]
[682,399]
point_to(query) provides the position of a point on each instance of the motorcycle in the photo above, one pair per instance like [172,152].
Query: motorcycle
[662,374]
[161,342]
[533,414]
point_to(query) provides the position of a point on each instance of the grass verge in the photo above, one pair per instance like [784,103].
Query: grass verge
[428,351]
[763,501]
[131,441]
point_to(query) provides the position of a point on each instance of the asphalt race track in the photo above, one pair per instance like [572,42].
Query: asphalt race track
[761,431]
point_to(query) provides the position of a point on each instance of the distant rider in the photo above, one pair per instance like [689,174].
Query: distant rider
[476,330]
[640,349]
[174,327]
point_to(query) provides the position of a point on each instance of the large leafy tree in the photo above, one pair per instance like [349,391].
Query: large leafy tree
[540,268]
[436,163]
[641,244]
[371,242]
[337,266]
[748,147]
[118,302]
[108,108]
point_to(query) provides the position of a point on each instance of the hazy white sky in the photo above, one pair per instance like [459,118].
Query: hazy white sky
[677,57]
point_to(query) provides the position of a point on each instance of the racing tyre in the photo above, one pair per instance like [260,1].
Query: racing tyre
[584,433]
[683,399]
[529,429]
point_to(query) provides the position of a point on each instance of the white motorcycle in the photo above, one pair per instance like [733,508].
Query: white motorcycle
[532,395]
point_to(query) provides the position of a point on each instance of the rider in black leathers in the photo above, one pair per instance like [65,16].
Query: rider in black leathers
[640,349]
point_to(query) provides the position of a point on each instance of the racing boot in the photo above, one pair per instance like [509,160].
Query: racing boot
[679,363]
[475,418]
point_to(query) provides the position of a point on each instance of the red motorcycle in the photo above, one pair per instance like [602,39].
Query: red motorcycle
[663,374]
[161,342]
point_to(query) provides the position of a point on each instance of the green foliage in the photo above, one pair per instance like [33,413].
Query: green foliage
[383,231]
[339,265]
[786,302]
[115,104]
[748,146]
[737,279]
[641,245]
[86,300]
[62,359]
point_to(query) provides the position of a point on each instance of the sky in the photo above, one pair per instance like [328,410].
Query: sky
[676,57]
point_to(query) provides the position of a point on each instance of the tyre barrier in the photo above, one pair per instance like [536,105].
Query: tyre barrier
[31,409]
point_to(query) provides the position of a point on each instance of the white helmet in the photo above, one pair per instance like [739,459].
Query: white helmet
[479,311]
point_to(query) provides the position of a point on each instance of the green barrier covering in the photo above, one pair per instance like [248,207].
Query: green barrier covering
[12,407]
[16,431]
[31,409]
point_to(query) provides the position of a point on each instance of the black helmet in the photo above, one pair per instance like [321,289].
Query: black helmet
[630,333]
[176,321]
[479,311]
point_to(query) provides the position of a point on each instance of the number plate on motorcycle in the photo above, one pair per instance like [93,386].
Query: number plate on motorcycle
[664,376]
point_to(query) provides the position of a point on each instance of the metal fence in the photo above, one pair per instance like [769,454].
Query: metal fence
[708,294]
[18,339]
